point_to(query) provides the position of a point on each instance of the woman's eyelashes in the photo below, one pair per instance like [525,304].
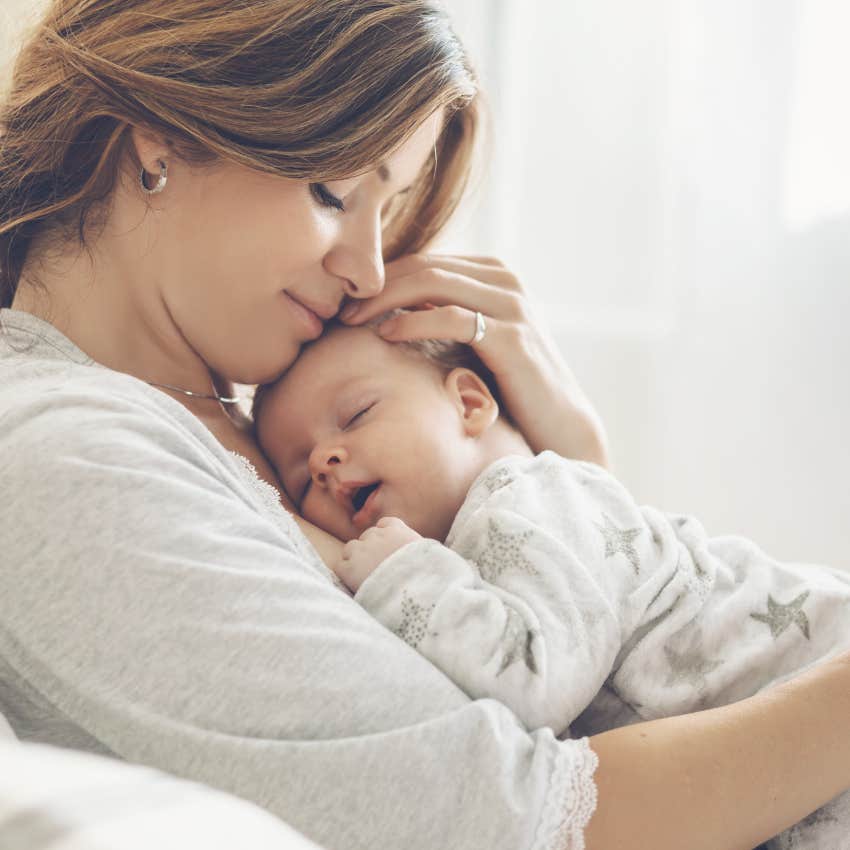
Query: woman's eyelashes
[326,198]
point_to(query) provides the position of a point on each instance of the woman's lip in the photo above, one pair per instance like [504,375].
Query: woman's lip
[361,518]
[307,316]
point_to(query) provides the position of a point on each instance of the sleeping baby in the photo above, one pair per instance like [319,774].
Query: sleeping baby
[533,579]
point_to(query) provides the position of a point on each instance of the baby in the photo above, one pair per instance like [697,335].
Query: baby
[534,580]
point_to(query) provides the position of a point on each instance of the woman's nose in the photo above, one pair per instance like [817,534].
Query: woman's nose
[360,261]
[322,461]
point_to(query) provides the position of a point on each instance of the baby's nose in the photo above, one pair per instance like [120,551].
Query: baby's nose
[323,460]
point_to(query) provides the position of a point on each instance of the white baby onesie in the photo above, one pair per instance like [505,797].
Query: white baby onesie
[556,593]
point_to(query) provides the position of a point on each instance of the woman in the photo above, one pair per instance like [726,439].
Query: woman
[187,189]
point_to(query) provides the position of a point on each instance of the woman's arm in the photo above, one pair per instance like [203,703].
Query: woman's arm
[727,778]
[540,391]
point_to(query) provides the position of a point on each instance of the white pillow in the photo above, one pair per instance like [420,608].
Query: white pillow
[65,800]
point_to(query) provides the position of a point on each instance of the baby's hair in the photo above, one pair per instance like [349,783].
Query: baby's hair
[445,355]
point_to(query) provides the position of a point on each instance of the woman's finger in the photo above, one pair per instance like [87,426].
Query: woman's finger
[441,288]
[484,269]
[452,323]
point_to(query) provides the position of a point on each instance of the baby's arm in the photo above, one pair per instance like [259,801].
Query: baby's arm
[536,648]
[733,621]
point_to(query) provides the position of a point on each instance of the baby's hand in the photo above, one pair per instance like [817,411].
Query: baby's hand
[360,557]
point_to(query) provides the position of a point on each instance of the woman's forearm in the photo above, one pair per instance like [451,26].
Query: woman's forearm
[582,434]
[726,778]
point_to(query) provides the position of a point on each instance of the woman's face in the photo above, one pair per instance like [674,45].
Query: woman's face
[255,263]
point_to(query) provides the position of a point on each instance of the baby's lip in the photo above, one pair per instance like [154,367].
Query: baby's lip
[346,490]
[367,515]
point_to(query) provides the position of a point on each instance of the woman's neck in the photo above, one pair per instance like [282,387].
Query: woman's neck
[106,299]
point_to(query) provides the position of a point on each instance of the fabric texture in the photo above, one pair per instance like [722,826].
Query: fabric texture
[55,799]
[559,596]
[157,606]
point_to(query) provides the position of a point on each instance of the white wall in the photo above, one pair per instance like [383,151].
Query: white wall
[663,184]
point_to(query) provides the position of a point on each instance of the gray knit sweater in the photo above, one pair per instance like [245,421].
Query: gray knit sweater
[157,604]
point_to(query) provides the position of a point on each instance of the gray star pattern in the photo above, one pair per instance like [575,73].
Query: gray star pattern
[497,479]
[689,666]
[503,552]
[414,620]
[516,643]
[619,540]
[780,616]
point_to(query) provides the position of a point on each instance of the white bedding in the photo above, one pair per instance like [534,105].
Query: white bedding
[66,800]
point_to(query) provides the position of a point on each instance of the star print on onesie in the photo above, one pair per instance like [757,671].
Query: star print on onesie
[779,616]
[619,540]
[414,620]
[503,552]
[690,665]
[496,480]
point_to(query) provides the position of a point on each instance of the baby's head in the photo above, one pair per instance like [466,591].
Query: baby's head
[360,428]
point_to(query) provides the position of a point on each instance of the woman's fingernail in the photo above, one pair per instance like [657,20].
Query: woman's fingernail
[349,311]
[386,328]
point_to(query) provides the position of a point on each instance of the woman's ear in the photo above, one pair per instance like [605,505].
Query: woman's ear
[150,148]
[473,400]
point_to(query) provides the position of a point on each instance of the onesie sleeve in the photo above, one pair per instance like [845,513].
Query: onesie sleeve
[731,621]
[149,611]
[550,569]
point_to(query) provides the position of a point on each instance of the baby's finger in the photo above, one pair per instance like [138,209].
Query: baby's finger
[386,521]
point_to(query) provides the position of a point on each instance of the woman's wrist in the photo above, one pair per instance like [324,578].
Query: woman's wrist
[585,437]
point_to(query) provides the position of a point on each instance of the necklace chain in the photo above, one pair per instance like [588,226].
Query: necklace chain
[214,396]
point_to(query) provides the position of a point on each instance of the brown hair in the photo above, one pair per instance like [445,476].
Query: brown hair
[311,89]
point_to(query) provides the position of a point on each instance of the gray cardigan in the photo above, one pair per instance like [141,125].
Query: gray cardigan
[158,604]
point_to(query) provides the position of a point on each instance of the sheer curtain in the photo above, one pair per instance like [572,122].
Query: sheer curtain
[671,181]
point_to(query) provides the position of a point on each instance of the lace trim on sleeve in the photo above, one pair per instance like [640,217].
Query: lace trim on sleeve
[269,498]
[571,799]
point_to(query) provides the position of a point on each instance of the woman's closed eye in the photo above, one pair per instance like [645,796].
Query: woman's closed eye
[326,198]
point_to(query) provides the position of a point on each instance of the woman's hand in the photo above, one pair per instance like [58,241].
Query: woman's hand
[538,388]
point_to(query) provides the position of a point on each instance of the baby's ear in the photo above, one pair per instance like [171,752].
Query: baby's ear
[473,399]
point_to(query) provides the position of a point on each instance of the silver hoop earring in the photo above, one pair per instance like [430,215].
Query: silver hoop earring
[160,183]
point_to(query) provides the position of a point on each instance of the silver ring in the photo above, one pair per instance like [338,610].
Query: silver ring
[480,329]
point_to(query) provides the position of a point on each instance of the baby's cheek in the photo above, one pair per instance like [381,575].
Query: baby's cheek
[327,515]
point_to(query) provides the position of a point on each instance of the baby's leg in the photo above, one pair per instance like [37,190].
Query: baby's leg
[827,828]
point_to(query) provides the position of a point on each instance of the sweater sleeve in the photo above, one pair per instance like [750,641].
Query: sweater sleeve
[149,611]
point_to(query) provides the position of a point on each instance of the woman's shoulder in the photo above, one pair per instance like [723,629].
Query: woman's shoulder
[53,395]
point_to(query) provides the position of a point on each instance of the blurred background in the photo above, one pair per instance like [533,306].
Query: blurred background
[670,180]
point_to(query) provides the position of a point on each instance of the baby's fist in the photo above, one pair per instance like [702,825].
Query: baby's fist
[360,557]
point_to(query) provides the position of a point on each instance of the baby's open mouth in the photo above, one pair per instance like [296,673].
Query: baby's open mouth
[361,494]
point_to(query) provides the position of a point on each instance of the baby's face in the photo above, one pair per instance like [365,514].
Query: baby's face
[359,429]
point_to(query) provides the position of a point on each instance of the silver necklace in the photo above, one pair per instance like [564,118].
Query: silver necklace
[215,396]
